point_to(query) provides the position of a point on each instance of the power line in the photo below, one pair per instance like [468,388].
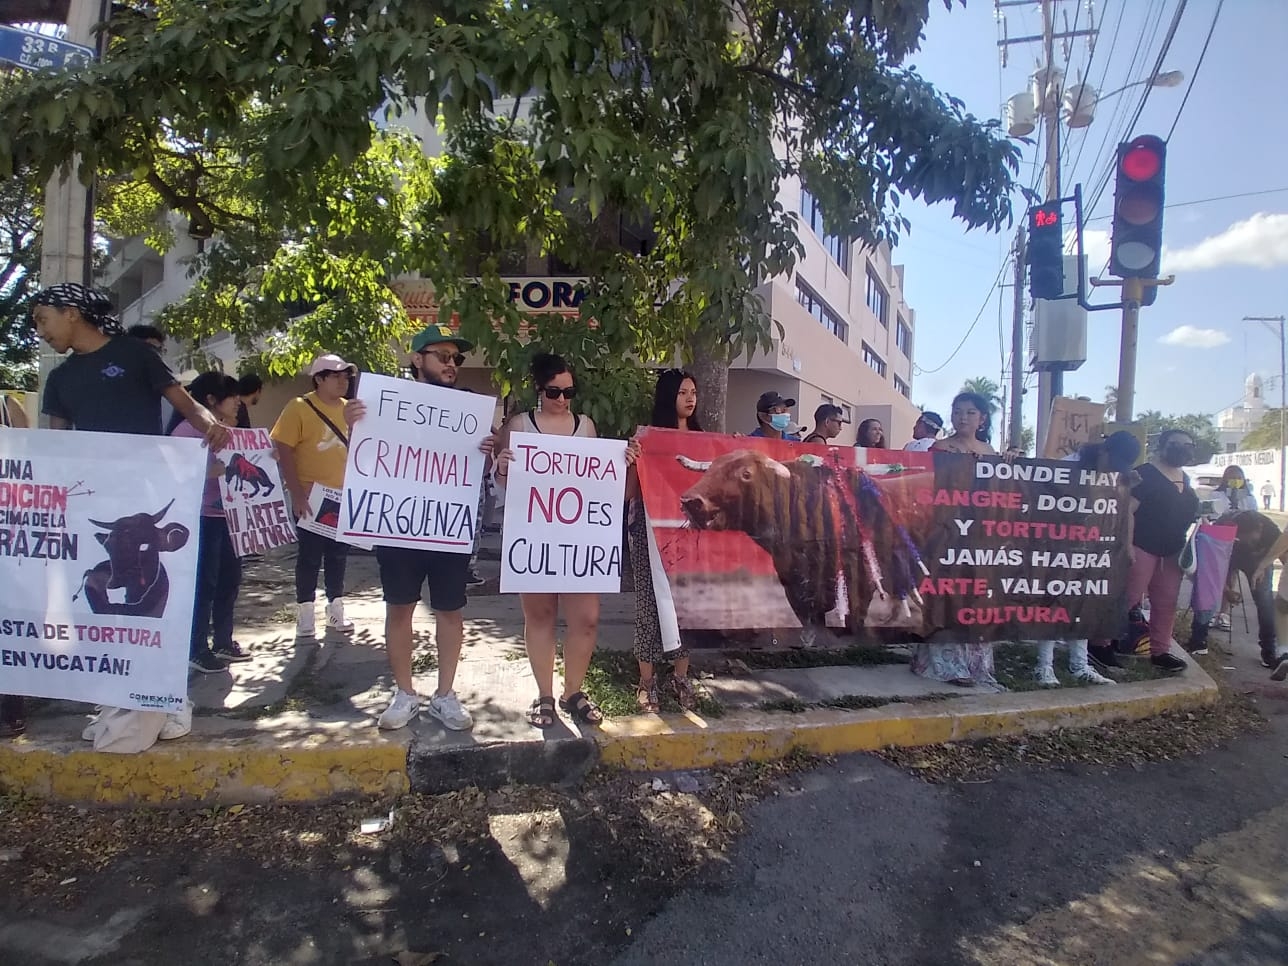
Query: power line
[1113,45]
[1204,201]
[1193,77]
[978,315]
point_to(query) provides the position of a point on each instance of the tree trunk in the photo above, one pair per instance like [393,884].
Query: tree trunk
[710,369]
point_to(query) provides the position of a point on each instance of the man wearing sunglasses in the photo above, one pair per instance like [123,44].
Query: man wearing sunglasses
[436,355]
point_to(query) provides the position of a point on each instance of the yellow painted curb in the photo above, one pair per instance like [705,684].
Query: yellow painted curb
[689,741]
[213,771]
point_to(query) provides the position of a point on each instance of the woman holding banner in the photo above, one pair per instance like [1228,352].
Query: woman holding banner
[553,416]
[962,664]
[219,569]
[675,405]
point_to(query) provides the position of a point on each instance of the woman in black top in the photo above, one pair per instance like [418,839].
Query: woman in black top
[1164,506]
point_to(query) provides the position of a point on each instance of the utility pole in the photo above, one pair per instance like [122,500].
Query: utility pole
[1016,429]
[1048,96]
[1278,320]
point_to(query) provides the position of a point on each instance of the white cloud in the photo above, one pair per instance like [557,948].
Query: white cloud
[1191,337]
[1260,242]
[1095,245]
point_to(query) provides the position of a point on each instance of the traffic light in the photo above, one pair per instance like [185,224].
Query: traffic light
[1138,209]
[1046,252]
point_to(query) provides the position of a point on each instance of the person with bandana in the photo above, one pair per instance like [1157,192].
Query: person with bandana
[111,382]
[1164,506]
[774,417]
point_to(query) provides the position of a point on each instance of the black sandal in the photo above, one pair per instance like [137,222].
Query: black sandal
[582,709]
[541,713]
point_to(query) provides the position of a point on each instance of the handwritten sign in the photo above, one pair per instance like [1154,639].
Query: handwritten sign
[562,530]
[251,488]
[415,472]
[1074,424]
[98,559]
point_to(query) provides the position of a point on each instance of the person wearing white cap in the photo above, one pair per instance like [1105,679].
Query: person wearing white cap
[312,448]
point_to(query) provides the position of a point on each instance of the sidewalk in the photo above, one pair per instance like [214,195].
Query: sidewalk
[298,721]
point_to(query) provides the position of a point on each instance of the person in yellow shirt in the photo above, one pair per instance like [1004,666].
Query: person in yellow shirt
[312,446]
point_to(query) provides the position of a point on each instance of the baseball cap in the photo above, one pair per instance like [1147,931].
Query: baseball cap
[768,400]
[330,363]
[827,411]
[933,420]
[434,334]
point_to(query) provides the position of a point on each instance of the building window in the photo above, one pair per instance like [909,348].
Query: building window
[874,361]
[837,247]
[821,311]
[846,413]
[877,298]
[904,389]
[903,338]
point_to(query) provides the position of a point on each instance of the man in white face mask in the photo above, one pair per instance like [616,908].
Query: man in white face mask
[773,414]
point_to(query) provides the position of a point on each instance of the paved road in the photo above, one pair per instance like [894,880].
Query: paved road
[1176,862]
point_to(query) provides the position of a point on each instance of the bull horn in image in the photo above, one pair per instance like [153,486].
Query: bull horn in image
[700,466]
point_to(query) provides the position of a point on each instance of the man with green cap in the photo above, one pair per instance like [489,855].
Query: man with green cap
[436,356]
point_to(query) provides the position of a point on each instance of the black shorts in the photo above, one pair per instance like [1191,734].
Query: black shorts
[404,569]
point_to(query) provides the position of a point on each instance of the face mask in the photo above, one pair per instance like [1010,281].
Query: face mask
[1236,484]
[1178,454]
[780,421]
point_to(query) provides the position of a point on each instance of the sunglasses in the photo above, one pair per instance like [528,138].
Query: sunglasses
[553,392]
[447,358]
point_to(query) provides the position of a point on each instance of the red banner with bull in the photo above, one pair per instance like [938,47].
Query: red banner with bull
[253,496]
[880,545]
[98,559]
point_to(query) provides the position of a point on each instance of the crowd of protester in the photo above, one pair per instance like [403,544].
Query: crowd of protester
[311,437]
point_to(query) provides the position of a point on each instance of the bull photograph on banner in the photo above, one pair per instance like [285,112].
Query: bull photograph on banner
[253,496]
[881,545]
[98,558]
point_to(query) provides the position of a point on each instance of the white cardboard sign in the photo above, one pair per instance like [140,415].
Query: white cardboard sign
[415,471]
[98,558]
[562,530]
[252,492]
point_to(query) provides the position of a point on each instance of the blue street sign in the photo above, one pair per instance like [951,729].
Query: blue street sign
[25,48]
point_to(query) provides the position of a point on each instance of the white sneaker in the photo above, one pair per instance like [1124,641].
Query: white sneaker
[447,708]
[401,710]
[305,620]
[1089,675]
[335,617]
[1044,674]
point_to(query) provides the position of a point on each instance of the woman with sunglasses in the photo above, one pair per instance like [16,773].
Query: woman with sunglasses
[553,416]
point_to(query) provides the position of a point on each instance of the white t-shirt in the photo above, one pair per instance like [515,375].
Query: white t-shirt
[920,445]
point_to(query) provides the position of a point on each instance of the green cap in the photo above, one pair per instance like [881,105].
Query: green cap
[435,334]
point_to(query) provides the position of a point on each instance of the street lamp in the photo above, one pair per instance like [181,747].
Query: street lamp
[1167,78]
[1269,321]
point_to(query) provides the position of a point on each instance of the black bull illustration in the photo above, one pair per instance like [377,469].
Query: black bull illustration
[241,471]
[134,546]
[828,529]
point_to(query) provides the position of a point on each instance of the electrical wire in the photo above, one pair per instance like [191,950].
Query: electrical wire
[918,370]
[1204,201]
[1194,76]
[1113,45]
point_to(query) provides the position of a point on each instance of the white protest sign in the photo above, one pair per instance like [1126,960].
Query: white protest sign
[562,530]
[415,470]
[251,488]
[324,511]
[98,558]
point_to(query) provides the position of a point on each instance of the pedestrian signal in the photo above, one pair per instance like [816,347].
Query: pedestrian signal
[1046,252]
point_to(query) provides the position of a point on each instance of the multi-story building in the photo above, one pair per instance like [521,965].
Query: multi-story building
[843,334]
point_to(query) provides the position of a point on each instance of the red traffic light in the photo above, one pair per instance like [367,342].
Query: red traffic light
[1143,159]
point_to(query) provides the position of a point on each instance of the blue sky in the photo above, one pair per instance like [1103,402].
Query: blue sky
[1229,256]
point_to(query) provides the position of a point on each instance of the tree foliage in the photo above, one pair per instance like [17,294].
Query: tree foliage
[1267,434]
[1207,443]
[20,212]
[986,387]
[562,119]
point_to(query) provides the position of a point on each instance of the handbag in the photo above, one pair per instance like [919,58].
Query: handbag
[1188,558]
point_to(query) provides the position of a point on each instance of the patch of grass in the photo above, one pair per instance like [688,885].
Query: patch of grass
[424,659]
[846,702]
[1013,666]
[613,675]
[789,705]
[856,656]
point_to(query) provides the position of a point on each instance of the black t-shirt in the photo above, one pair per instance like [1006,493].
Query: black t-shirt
[1164,514]
[115,389]
[243,416]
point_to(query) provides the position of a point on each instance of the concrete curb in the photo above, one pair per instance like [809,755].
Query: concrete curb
[267,766]
[679,742]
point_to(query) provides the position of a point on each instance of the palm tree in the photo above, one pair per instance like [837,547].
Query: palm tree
[986,387]
[1111,401]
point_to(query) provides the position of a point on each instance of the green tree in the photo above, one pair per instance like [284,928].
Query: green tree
[1266,434]
[1207,443]
[1111,401]
[19,268]
[679,117]
[986,387]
